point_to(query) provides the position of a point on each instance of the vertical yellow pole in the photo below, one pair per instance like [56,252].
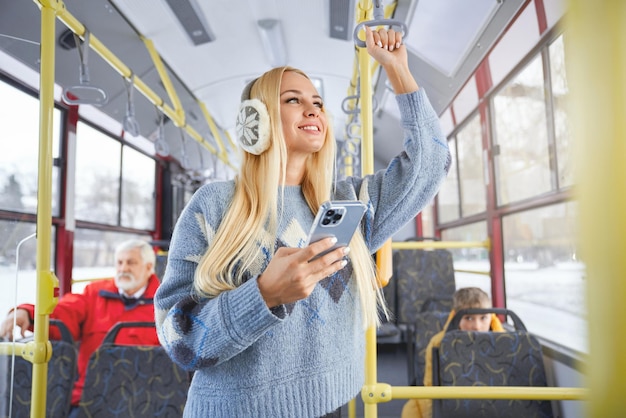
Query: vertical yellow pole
[367,167]
[596,46]
[39,352]
[367,124]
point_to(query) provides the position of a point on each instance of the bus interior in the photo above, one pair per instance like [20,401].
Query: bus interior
[113,112]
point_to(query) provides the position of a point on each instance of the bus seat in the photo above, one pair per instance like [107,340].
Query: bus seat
[132,381]
[425,279]
[467,358]
[62,373]
[160,264]
[163,246]
[388,332]
[426,325]
[422,280]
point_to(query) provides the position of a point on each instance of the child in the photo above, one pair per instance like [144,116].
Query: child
[465,298]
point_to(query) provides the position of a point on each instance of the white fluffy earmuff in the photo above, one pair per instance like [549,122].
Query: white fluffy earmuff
[253,123]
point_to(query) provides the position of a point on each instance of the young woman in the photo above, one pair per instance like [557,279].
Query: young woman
[268,333]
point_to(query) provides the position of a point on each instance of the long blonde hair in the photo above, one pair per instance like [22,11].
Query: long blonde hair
[237,243]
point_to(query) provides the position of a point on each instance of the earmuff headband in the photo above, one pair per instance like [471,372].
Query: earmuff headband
[253,123]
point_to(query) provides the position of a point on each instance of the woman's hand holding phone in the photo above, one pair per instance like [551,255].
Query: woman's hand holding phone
[292,274]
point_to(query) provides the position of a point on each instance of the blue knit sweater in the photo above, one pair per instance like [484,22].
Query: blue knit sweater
[304,359]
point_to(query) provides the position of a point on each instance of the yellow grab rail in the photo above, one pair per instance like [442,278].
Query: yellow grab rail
[412,245]
[39,350]
[12,349]
[176,115]
[488,392]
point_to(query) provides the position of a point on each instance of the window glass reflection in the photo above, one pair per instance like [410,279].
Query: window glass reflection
[98,162]
[471,265]
[448,196]
[471,168]
[544,276]
[19,133]
[521,154]
[138,190]
[18,270]
[560,96]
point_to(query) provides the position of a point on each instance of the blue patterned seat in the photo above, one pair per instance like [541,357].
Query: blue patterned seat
[62,373]
[423,280]
[467,358]
[133,381]
[426,325]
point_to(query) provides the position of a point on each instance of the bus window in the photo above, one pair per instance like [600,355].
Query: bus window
[471,168]
[448,196]
[98,160]
[473,263]
[18,282]
[521,155]
[544,278]
[560,94]
[19,133]
[138,190]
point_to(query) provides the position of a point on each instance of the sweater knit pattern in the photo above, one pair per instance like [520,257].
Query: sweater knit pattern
[304,359]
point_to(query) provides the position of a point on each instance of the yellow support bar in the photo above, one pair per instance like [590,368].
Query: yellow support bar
[384,264]
[89,280]
[367,124]
[367,167]
[165,79]
[216,133]
[596,42]
[484,273]
[371,375]
[176,116]
[39,350]
[488,392]
[12,349]
[412,245]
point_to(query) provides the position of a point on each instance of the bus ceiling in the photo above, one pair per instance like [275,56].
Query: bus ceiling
[210,50]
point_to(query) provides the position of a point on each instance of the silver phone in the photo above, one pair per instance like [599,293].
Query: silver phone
[338,218]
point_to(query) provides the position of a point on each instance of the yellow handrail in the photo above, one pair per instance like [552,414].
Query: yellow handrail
[364,13]
[412,245]
[489,392]
[175,115]
[12,349]
[216,134]
[165,79]
[39,350]
[93,279]
[484,273]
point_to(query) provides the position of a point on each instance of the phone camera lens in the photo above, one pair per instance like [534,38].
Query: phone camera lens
[330,212]
[337,216]
[325,221]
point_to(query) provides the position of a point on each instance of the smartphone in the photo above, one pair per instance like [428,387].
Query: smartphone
[338,218]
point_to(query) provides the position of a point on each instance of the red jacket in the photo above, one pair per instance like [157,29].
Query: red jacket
[90,315]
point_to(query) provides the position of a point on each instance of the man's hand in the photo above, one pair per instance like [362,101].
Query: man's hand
[22,320]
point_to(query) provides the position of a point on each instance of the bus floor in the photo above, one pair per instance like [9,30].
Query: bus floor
[391,369]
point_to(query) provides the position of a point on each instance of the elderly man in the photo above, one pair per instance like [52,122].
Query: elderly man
[91,314]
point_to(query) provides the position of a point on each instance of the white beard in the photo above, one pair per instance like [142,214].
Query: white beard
[126,285]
